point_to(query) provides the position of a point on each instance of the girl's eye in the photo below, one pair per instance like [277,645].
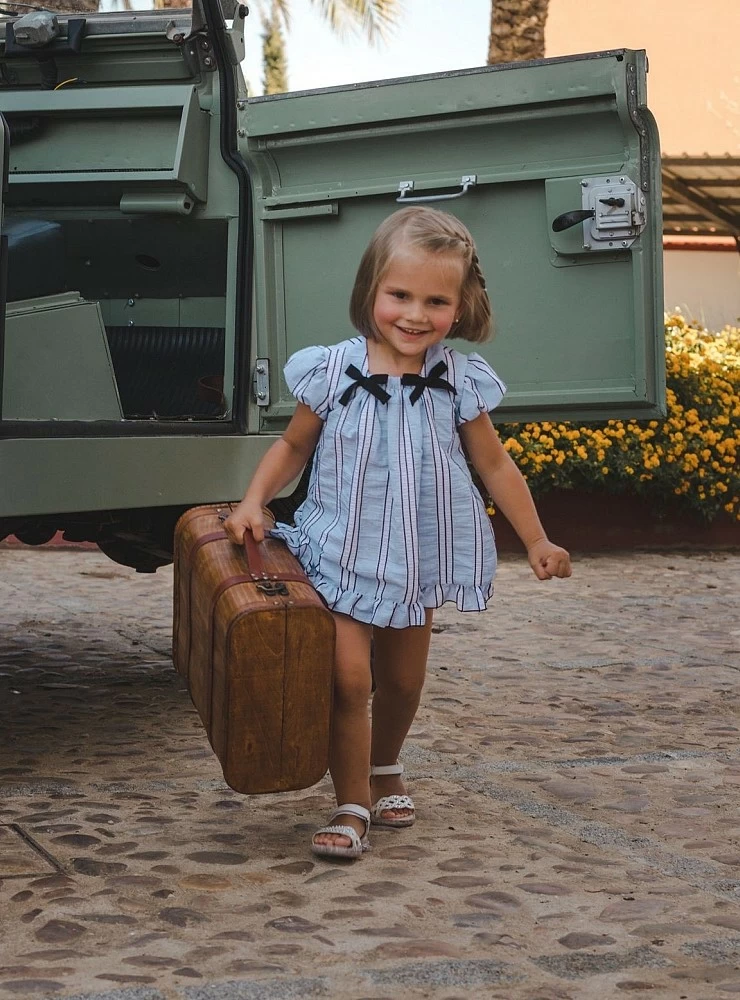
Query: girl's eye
[399,295]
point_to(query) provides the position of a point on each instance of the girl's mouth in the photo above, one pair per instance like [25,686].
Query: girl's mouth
[411,333]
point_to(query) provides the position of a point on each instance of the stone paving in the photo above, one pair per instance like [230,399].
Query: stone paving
[575,764]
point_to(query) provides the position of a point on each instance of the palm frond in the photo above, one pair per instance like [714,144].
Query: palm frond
[271,10]
[282,10]
[372,18]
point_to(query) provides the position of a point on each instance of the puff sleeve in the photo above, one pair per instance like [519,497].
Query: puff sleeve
[306,377]
[482,389]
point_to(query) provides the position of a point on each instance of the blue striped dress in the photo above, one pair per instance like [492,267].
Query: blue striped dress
[392,523]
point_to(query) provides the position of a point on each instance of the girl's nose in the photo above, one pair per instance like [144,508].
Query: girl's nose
[416,310]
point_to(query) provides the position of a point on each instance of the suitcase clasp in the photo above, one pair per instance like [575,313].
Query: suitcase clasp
[273,588]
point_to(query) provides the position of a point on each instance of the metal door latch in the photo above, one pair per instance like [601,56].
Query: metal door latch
[612,212]
[261,381]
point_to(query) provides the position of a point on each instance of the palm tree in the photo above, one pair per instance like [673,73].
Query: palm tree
[372,18]
[274,61]
[517,30]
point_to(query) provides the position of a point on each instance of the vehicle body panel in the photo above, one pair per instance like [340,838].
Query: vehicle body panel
[206,237]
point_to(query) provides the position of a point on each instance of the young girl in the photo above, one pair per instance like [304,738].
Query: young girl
[393,526]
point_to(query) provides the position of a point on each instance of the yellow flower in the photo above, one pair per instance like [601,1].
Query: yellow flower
[690,454]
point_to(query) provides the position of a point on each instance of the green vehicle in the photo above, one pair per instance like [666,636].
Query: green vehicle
[168,242]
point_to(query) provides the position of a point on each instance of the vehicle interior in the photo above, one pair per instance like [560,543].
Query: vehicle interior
[118,215]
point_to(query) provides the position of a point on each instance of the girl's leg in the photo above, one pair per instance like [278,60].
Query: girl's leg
[399,666]
[349,754]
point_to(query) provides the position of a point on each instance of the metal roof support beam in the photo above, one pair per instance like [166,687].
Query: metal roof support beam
[696,199]
[699,161]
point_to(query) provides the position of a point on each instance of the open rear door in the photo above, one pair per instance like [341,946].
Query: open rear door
[553,165]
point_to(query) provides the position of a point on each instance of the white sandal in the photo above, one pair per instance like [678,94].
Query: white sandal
[391,801]
[358,844]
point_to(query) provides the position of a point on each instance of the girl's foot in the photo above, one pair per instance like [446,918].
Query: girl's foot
[389,792]
[341,819]
[346,834]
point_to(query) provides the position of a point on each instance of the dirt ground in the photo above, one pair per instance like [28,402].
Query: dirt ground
[575,766]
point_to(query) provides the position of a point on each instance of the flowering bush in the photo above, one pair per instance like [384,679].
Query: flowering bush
[689,457]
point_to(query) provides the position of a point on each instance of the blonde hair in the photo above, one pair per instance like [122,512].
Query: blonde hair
[431,231]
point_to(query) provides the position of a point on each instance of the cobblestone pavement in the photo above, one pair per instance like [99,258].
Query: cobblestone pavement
[575,764]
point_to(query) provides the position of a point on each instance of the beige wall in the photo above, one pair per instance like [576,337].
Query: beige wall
[694,53]
[704,285]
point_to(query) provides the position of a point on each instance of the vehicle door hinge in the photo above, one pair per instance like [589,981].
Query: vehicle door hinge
[261,381]
[616,212]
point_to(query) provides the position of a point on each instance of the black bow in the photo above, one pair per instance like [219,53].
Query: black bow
[432,381]
[372,383]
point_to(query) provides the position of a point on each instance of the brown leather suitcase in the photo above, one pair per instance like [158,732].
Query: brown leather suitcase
[255,644]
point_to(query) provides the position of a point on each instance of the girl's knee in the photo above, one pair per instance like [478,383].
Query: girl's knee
[352,684]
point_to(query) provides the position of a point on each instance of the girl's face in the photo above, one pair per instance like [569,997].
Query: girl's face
[417,302]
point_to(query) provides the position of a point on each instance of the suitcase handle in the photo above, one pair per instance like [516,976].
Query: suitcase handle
[252,552]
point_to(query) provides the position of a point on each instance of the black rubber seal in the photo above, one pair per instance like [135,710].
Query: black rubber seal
[245,237]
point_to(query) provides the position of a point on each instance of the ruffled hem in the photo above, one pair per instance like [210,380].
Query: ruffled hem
[392,614]
[380,611]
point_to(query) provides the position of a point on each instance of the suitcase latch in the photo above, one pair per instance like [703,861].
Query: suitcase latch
[273,588]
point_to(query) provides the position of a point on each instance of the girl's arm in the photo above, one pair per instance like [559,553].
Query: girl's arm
[281,464]
[509,491]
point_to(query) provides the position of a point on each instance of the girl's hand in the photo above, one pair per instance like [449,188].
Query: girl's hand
[246,515]
[548,560]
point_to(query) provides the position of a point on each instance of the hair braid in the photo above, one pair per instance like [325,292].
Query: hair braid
[476,269]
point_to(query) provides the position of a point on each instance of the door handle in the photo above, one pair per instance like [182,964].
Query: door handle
[468,181]
[568,219]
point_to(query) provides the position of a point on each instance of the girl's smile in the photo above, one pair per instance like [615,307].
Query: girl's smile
[415,307]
